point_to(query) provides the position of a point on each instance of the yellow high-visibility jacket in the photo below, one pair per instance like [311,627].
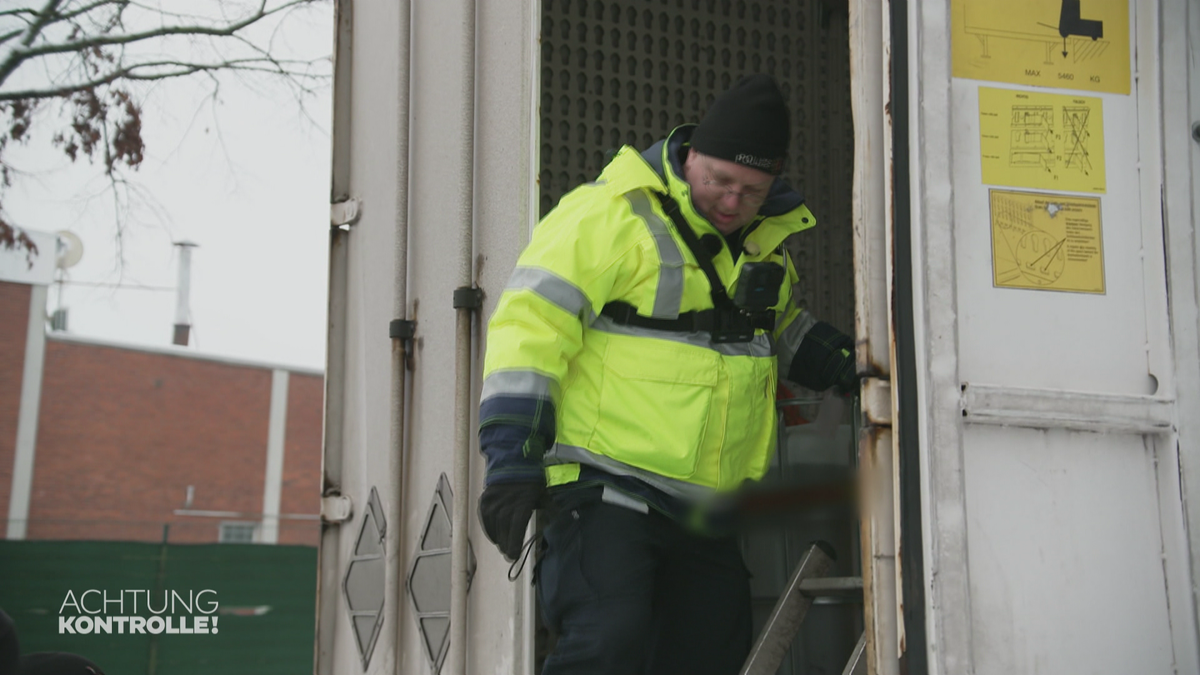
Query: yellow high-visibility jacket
[566,386]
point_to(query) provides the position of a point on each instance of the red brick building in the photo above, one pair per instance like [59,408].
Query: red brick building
[106,441]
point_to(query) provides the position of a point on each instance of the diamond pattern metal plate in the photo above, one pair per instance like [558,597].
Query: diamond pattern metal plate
[429,576]
[364,584]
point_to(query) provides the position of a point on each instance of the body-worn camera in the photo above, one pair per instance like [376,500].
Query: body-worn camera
[757,292]
[758,286]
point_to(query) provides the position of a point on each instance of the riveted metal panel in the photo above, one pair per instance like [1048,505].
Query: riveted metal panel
[627,72]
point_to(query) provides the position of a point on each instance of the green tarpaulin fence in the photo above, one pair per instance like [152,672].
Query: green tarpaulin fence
[262,598]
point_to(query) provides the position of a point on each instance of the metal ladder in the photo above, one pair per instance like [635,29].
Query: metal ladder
[807,582]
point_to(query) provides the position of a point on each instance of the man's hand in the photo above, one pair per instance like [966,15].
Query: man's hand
[505,509]
[825,359]
[846,377]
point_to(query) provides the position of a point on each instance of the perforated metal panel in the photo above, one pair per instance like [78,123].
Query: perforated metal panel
[616,73]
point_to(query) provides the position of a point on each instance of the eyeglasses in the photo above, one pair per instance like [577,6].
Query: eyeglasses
[752,198]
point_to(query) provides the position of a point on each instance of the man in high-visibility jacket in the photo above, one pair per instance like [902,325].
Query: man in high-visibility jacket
[629,384]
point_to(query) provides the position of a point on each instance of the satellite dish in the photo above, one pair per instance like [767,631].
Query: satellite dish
[69,249]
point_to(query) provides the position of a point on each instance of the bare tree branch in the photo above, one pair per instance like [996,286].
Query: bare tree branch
[39,22]
[177,69]
[227,30]
[96,56]
[162,12]
[31,32]
[58,18]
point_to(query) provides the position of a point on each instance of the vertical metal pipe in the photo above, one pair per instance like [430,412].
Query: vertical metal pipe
[328,566]
[527,597]
[397,458]
[394,543]
[183,291]
[457,658]
[183,284]
[328,556]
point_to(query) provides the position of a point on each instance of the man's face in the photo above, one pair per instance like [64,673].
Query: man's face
[726,193]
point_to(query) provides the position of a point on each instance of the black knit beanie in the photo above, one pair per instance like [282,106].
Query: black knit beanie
[749,125]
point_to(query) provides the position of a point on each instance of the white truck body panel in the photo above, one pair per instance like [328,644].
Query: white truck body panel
[1058,432]
[502,195]
[1044,507]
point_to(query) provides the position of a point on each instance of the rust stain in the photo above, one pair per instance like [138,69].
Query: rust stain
[890,204]
[868,464]
[903,633]
[480,259]
[891,253]
[866,447]
[876,402]
[873,367]
[338,236]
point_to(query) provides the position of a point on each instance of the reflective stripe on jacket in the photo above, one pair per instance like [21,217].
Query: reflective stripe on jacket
[564,384]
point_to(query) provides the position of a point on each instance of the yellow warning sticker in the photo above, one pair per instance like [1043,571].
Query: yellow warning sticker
[1042,141]
[1046,242]
[1067,44]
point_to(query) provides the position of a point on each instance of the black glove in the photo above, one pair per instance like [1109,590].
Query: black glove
[825,359]
[846,377]
[505,509]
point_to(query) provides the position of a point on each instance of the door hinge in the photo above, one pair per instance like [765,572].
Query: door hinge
[344,213]
[336,509]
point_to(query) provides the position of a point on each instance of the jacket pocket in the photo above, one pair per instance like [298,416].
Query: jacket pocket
[750,434]
[654,404]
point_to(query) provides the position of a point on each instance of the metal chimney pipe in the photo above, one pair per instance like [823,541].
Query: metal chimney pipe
[183,289]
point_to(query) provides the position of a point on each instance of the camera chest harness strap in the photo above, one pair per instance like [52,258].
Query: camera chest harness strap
[725,321]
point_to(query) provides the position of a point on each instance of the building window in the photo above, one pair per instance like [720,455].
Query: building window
[237,533]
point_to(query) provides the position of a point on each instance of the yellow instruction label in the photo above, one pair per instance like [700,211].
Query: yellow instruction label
[1072,44]
[1046,242]
[1042,141]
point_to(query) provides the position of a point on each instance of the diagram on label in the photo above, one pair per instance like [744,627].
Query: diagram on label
[1069,44]
[1042,141]
[1076,137]
[1032,140]
[1046,242]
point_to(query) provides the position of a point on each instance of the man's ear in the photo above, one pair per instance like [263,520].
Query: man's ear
[689,161]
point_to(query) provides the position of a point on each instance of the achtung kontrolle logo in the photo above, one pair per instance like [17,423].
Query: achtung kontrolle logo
[138,612]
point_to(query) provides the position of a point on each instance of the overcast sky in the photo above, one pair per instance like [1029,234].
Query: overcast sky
[246,179]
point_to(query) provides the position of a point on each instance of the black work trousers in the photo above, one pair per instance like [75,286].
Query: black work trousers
[629,592]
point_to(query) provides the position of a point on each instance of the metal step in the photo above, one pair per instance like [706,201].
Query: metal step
[807,583]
